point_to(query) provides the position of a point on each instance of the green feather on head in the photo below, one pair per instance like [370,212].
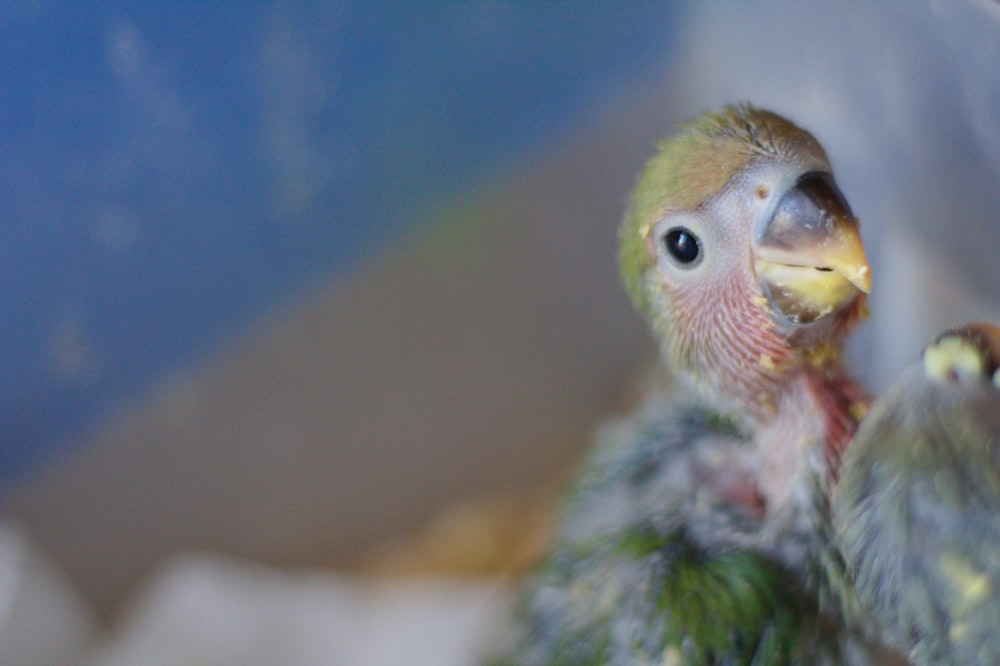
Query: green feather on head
[695,165]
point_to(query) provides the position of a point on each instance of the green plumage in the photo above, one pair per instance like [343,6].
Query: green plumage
[640,573]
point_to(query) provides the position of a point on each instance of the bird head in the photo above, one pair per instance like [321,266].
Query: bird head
[743,254]
[968,354]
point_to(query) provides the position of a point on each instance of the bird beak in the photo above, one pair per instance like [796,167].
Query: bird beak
[808,256]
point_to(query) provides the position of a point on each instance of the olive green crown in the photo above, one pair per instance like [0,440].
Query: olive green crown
[695,165]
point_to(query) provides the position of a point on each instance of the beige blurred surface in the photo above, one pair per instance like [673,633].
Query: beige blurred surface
[468,362]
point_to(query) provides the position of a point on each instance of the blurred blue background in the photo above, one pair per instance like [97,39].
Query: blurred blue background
[173,172]
[282,279]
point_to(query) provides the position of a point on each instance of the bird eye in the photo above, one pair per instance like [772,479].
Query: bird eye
[682,246]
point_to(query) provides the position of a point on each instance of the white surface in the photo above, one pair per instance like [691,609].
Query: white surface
[210,611]
[215,612]
[43,621]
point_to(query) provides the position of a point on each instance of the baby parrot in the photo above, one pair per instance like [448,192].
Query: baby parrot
[699,531]
[917,510]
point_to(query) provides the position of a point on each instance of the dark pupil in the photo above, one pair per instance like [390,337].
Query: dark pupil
[682,245]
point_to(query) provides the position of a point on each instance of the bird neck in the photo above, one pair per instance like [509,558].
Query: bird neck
[842,402]
[800,447]
[724,342]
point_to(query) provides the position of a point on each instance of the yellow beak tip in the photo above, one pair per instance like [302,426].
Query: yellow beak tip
[863,279]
